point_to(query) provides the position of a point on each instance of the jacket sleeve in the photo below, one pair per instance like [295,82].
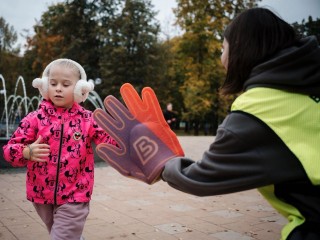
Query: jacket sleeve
[246,154]
[25,134]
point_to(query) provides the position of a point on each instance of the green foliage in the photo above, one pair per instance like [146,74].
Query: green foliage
[8,36]
[66,30]
[308,28]
[198,54]
[9,60]
[118,41]
[131,54]
[115,40]
[171,76]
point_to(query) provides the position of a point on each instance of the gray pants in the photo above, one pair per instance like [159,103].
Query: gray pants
[63,221]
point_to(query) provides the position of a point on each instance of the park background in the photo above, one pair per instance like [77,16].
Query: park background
[118,41]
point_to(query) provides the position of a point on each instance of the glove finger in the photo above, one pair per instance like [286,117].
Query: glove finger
[104,120]
[107,123]
[105,150]
[114,122]
[170,137]
[142,109]
[149,96]
[133,100]
[117,110]
[119,161]
[139,107]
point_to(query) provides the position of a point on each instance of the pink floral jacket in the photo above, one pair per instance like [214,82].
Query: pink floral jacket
[67,176]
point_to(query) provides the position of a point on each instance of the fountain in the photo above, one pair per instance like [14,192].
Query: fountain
[14,107]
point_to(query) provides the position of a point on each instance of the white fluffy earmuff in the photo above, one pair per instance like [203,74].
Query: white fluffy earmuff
[81,89]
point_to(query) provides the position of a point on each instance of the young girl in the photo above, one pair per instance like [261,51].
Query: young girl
[54,142]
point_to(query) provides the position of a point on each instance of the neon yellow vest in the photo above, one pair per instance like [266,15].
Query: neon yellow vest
[295,118]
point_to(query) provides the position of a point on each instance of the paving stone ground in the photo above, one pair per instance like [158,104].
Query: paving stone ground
[123,208]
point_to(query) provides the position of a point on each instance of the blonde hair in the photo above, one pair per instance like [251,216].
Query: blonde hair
[67,64]
[82,88]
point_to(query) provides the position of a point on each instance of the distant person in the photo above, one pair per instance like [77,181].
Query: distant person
[269,141]
[54,142]
[170,116]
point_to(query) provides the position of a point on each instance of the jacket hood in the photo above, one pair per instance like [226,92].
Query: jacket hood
[294,69]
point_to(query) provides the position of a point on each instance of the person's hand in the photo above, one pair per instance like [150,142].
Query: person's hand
[37,151]
[145,140]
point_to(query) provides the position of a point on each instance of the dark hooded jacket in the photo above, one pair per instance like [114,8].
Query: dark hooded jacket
[234,161]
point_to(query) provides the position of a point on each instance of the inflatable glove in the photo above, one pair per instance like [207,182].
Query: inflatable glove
[145,140]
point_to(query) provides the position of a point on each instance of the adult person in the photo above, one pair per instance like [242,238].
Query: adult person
[170,116]
[269,141]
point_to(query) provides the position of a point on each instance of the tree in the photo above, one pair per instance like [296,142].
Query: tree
[172,76]
[80,29]
[47,43]
[9,60]
[131,53]
[311,27]
[8,37]
[66,30]
[199,51]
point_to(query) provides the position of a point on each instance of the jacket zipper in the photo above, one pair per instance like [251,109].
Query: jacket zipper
[58,166]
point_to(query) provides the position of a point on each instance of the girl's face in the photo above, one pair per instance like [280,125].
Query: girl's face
[225,53]
[62,81]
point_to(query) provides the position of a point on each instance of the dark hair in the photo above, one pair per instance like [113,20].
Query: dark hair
[254,36]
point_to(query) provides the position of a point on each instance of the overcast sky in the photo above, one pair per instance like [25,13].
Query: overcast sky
[23,14]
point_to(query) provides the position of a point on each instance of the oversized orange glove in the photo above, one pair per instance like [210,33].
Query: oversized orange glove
[145,139]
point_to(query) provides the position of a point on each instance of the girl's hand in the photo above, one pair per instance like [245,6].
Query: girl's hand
[37,151]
